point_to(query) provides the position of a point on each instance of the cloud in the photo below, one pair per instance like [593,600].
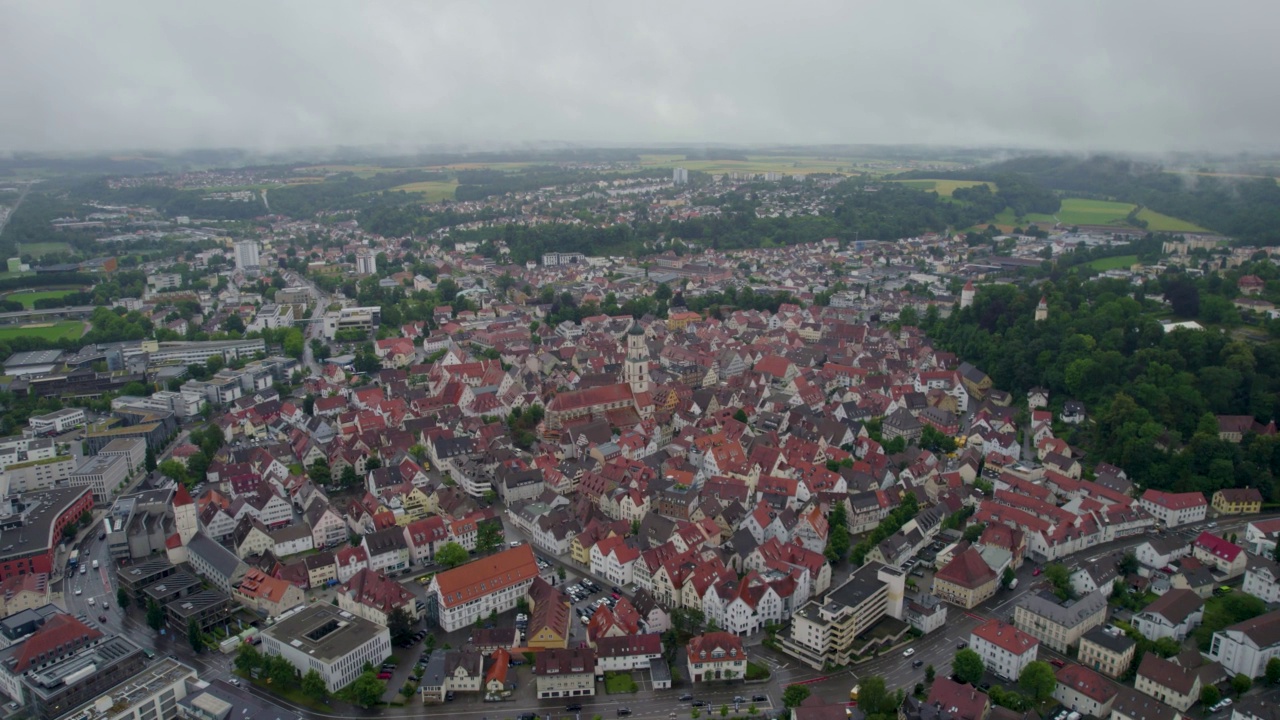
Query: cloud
[1149,75]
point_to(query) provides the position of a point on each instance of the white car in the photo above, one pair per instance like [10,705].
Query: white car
[908,652]
[91,601]
[79,590]
[1221,704]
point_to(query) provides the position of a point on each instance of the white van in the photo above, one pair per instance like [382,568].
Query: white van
[95,564]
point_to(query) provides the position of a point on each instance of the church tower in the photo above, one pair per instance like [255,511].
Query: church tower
[1042,310]
[966,295]
[184,514]
[636,370]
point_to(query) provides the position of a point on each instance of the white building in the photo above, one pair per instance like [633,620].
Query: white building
[36,475]
[104,474]
[247,255]
[1174,509]
[366,263]
[333,642]
[1262,580]
[1246,647]
[1173,615]
[457,598]
[352,318]
[680,176]
[1004,649]
[58,421]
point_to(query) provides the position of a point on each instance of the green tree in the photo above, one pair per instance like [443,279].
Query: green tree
[400,624]
[247,659]
[968,666]
[1008,577]
[194,637]
[1128,564]
[1209,696]
[451,555]
[974,531]
[1038,681]
[1273,671]
[741,416]
[838,540]
[151,460]
[794,695]
[367,690]
[319,472]
[873,697]
[1060,578]
[1167,647]
[122,598]
[155,614]
[313,686]
[1240,684]
[488,536]
[348,478]
[174,470]
[1224,611]
[929,673]
[279,671]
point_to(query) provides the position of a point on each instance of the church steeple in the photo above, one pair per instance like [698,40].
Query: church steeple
[636,370]
[1042,310]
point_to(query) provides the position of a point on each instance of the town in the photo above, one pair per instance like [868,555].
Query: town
[335,459]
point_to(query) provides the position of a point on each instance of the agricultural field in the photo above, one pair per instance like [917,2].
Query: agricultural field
[433,191]
[1113,263]
[67,329]
[1079,211]
[754,164]
[29,298]
[944,188]
[42,248]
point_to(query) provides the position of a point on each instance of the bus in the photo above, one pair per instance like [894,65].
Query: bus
[75,558]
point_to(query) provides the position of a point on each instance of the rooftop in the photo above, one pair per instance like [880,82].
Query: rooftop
[323,631]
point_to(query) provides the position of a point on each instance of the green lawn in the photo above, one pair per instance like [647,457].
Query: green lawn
[42,248]
[1079,211]
[615,683]
[29,298]
[434,191]
[69,329]
[1112,263]
[944,188]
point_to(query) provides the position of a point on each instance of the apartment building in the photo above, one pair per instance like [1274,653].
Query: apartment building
[1060,624]
[566,673]
[1174,509]
[1173,615]
[831,631]
[1108,651]
[1004,649]
[1246,647]
[457,598]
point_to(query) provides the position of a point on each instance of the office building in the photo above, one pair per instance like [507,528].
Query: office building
[37,519]
[103,474]
[247,255]
[330,641]
[680,176]
[833,630]
[57,422]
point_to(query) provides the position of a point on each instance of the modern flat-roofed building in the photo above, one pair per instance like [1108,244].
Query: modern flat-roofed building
[65,666]
[37,519]
[34,475]
[33,362]
[133,450]
[152,693]
[333,642]
[833,630]
[352,318]
[57,422]
[102,474]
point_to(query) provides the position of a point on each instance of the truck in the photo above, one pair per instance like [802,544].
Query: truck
[74,560]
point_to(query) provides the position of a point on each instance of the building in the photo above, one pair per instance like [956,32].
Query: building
[1160,552]
[1246,647]
[23,593]
[1107,650]
[1262,580]
[363,319]
[1237,501]
[151,694]
[330,641]
[1004,649]
[628,652]
[457,598]
[925,613]
[373,596]
[1060,625]
[1258,707]
[553,259]
[1168,682]
[1084,691]
[366,262]
[1224,556]
[716,656]
[215,563]
[1174,509]
[1173,615]
[565,673]
[960,701]
[133,450]
[1130,704]
[57,422]
[267,595]
[680,176]
[247,255]
[102,474]
[32,362]
[1260,536]
[38,519]
[605,401]
[966,581]
[35,475]
[834,630]
[197,352]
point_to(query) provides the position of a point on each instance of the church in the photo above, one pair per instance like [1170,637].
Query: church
[625,403]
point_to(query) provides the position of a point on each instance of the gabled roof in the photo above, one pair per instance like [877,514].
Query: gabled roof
[486,575]
[967,569]
[1006,637]
[56,638]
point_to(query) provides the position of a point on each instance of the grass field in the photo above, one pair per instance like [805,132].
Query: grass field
[433,191]
[1113,263]
[42,248]
[69,329]
[797,165]
[1078,211]
[944,188]
[29,298]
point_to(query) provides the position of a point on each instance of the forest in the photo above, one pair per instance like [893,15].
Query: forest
[1151,395]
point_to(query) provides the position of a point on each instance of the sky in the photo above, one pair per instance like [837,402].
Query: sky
[1081,75]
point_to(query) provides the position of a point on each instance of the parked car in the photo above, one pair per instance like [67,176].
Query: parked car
[91,601]
[699,703]
[78,591]
[575,707]
[1036,572]
[1221,705]
[1057,663]
[686,697]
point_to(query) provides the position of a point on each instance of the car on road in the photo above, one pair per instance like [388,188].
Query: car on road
[739,699]
[917,663]
[235,681]
[1056,662]
[908,652]
[759,698]
[102,618]
[1036,572]
[90,601]
[575,707]
[624,711]
[1221,705]
[83,569]
[686,697]
[962,645]
[699,703]
[79,590]
[384,675]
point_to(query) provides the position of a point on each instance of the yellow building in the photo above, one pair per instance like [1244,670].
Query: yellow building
[966,581]
[1237,501]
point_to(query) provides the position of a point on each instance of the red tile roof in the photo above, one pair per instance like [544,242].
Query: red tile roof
[1006,637]
[486,575]
[1218,547]
[960,700]
[703,647]
[57,638]
[967,570]
[1174,501]
[1087,683]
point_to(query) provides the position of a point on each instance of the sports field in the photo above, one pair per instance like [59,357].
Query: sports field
[1113,263]
[29,298]
[433,191]
[68,329]
[42,248]
[944,188]
[1079,211]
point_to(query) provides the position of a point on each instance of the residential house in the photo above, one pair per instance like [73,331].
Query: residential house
[1084,691]
[1173,615]
[1168,682]
[565,673]
[1248,646]
[716,656]
[966,580]
[1237,501]
[1108,650]
[1174,509]
[1226,557]
[267,595]
[374,596]
[1060,625]
[1004,649]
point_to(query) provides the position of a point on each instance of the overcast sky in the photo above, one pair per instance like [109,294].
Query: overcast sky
[1143,75]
